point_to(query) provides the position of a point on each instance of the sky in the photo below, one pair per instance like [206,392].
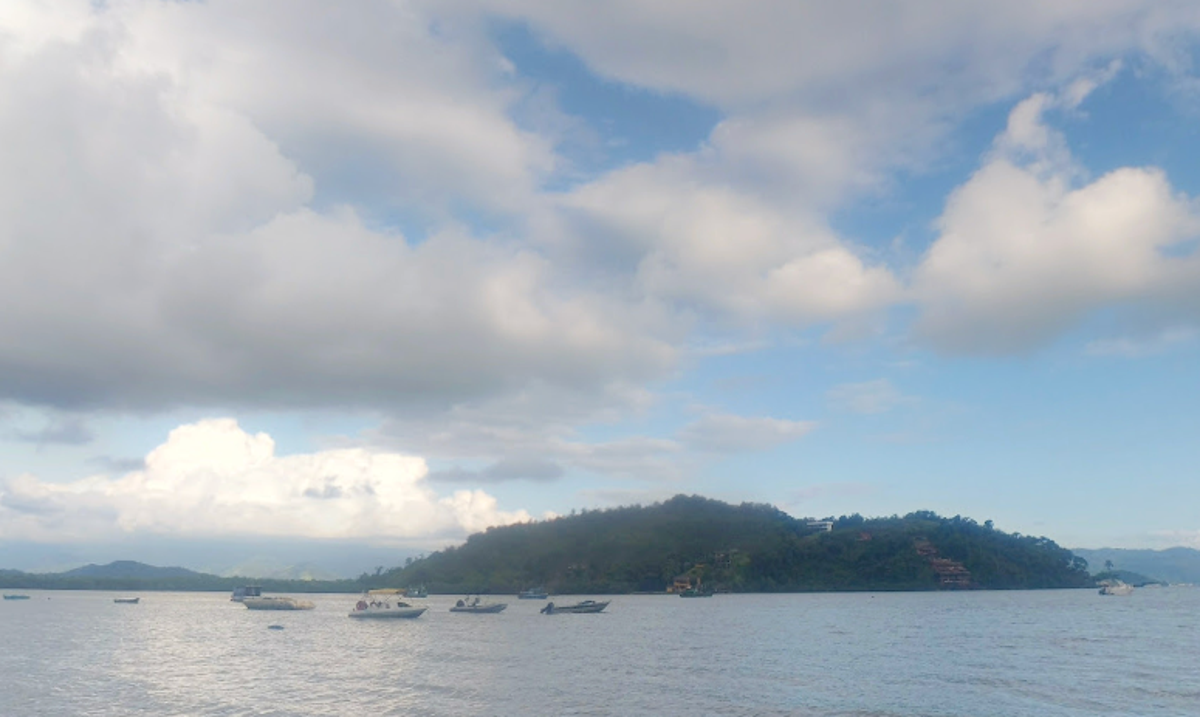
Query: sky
[359,279]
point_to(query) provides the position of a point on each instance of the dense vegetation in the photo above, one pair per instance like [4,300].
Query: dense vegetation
[132,576]
[743,548]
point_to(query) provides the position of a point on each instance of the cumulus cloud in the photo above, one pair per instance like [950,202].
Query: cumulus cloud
[169,222]
[705,246]
[1028,246]
[212,479]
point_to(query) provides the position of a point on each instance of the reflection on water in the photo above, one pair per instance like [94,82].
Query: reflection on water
[980,653]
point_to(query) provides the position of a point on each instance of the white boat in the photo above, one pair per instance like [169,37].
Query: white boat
[538,593]
[1117,587]
[245,591]
[585,606]
[474,604]
[276,603]
[374,605]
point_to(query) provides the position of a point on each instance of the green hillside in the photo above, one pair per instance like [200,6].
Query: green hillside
[742,548]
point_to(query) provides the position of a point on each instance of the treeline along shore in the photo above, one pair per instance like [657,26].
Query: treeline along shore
[687,541]
[690,540]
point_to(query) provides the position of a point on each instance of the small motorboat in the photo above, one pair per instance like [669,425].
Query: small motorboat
[127,601]
[474,604]
[538,593]
[374,606]
[242,592]
[585,606]
[15,597]
[417,592]
[276,603]
[1117,587]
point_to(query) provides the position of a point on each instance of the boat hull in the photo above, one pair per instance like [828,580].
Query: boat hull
[401,613]
[274,603]
[480,608]
[583,607]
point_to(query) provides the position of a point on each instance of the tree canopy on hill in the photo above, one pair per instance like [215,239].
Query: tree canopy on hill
[741,548]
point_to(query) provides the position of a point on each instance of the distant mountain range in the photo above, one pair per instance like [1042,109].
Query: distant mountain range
[295,558]
[1173,565]
[132,575]
[130,569]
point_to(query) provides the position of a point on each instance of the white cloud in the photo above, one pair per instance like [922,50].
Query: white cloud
[212,479]
[728,433]
[758,51]
[1026,249]
[703,245]
[166,226]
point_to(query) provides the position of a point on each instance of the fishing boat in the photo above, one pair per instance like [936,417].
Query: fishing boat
[697,591]
[538,593]
[585,606]
[127,601]
[245,591]
[474,604]
[276,603]
[384,604]
[1117,587]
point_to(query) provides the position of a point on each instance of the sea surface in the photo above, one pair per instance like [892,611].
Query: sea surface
[1038,653]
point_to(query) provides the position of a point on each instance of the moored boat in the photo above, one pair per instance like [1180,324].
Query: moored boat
[1117,587]
[15,597]
[276,603]
[127,601]
[584,606]
[538,593]
[373,605]
[245,591]
[417,592]
[474,604]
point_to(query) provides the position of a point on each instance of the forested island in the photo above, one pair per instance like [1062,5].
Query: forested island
[742,548]
[685,541]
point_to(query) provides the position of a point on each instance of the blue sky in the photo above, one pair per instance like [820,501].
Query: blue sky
[386,275]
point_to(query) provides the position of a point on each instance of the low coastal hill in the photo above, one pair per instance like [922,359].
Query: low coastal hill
[742,548]
[128,575]
[1172,565]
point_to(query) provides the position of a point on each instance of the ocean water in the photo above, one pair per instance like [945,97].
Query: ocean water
[974,654]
